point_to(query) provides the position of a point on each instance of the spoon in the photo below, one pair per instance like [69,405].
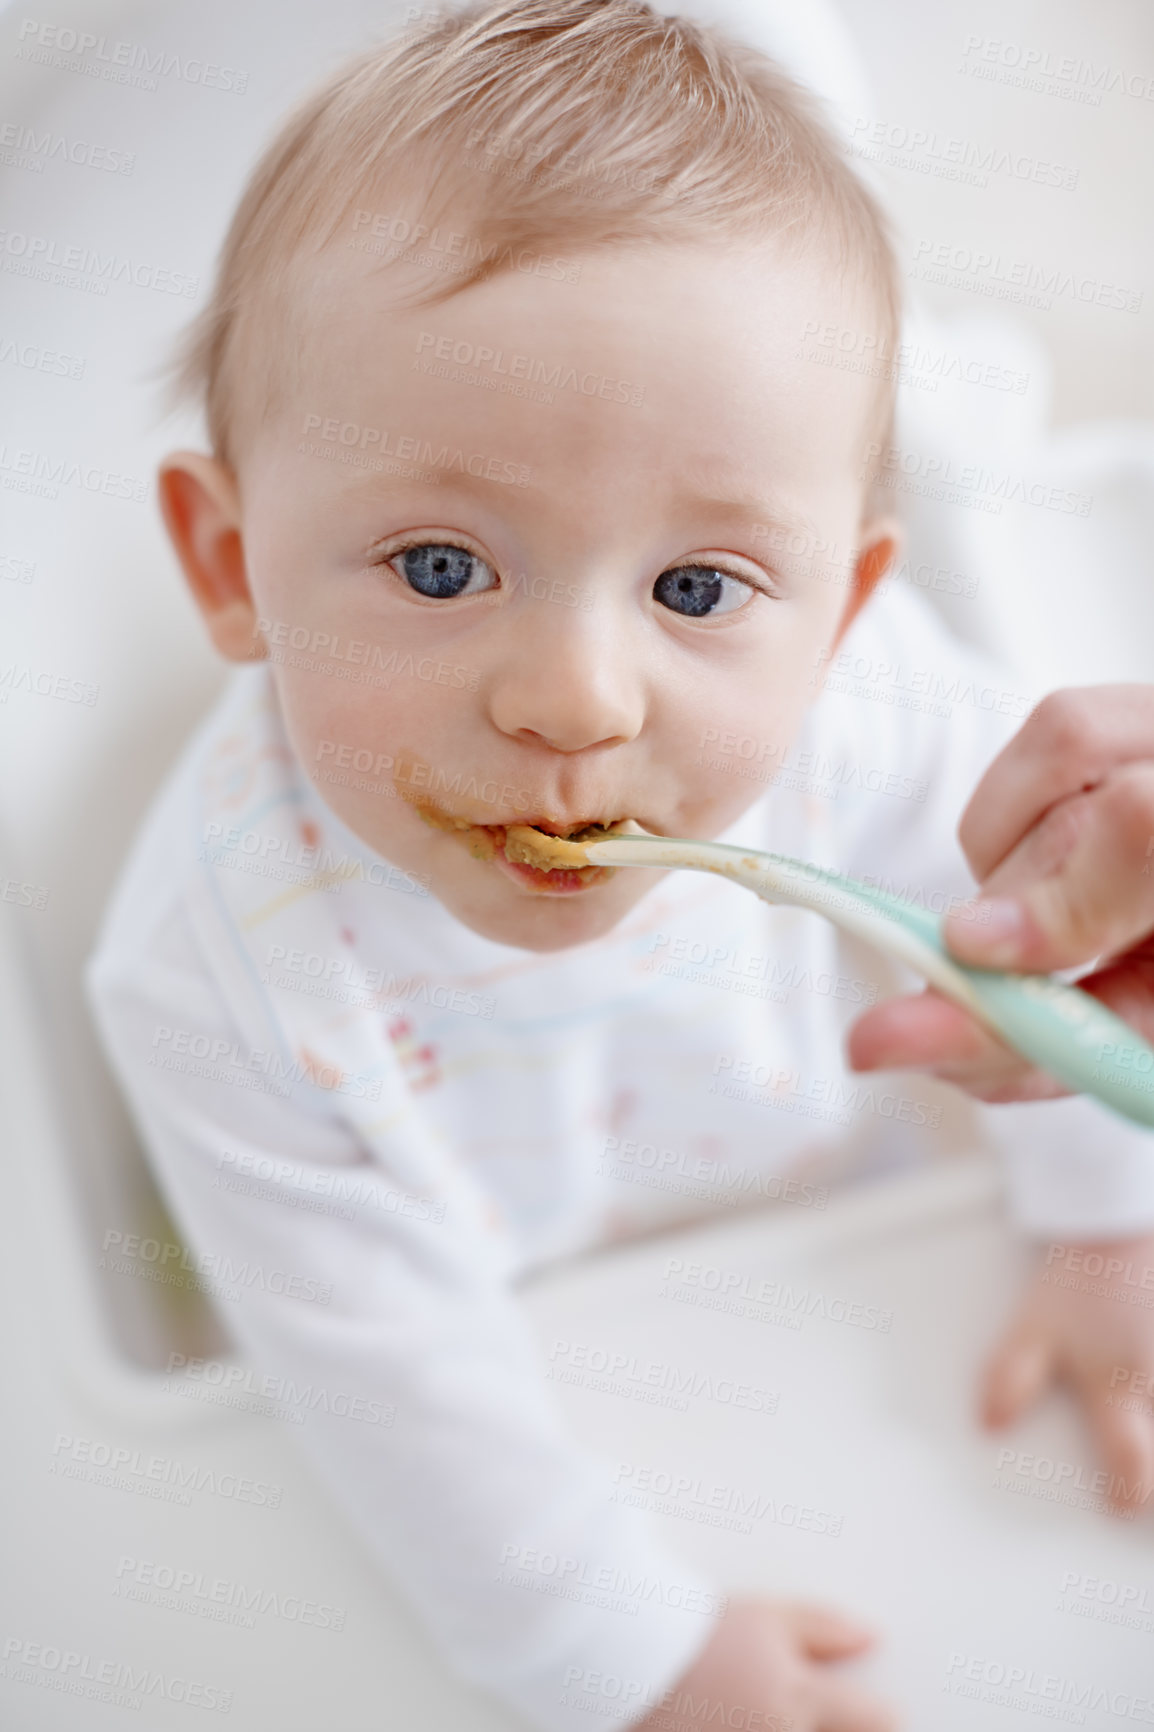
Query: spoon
[1058,1027]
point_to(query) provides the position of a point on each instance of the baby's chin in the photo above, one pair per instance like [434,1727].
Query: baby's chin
[499,909]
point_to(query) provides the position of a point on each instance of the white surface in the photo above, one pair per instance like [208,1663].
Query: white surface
[876,1426]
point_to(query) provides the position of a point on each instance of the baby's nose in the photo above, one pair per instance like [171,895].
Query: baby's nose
[568,683]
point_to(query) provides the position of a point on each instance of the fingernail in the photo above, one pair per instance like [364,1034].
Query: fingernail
[995,930]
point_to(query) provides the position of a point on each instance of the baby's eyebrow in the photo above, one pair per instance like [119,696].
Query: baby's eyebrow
[384,486]
[717,484]
[757,508]
[695,498]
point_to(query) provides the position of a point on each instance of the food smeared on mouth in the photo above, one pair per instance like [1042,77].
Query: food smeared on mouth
[482,839]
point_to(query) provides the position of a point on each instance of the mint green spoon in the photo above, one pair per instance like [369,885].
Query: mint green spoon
[1058,1027]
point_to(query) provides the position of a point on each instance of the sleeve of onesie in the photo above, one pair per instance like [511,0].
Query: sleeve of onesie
[926,714]
[426,1415]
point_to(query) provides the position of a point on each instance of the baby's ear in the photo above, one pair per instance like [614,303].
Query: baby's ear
[879,544]
[201,507]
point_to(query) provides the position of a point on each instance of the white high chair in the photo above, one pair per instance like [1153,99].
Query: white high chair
[91,1412]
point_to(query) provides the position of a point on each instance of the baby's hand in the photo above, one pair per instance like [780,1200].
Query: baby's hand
[1078,1324]
[763,1667]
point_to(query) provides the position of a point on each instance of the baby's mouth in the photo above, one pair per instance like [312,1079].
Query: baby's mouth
[531,846]
[536,852]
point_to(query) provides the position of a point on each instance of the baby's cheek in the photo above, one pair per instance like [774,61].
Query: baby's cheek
[355,743]
[736,750]
[315,715]
[746,735]
[338,705]
[332,730]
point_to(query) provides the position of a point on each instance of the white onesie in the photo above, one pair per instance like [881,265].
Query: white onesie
[340,1083]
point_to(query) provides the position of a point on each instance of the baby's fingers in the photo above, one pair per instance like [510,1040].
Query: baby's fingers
[823,1634]
[843,1708]
[1125,1440]
[1016,1375]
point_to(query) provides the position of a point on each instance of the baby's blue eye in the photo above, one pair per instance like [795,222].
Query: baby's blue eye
[700,589]
[441,570]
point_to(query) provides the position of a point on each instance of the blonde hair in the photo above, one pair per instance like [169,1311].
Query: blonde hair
[550,124]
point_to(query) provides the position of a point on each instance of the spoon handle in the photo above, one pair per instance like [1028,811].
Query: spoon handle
[1064,1030]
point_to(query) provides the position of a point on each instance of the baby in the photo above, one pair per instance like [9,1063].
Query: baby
[527,510]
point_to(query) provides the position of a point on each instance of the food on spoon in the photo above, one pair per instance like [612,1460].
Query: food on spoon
[529,846]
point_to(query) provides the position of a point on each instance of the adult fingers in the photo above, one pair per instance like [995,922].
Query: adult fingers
[928,1032]
[1078,885]
[1071,741]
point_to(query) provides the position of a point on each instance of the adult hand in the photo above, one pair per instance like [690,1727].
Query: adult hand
[1060,836]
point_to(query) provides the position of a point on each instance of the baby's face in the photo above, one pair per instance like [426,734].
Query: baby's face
[540,580]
